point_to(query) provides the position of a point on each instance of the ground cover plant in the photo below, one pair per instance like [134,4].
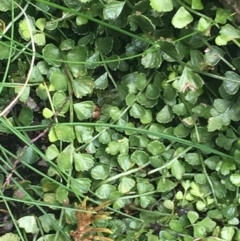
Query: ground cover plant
[119,120]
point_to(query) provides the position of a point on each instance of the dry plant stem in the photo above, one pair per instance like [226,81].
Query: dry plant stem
[17,161]
[15,100]
[85,231]
[4,211]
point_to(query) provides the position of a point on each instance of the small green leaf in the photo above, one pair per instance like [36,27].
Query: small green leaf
[169,204]
[147,117]
[162,5]
[181,131]
[9,236]
[181,18]
[64,162]
[223,113]
[155,147]
[80,185]
[195,190]
[39,39]
[200,178]
[230,211]
[221,40]
[165,185]
[224,142]
[115,113]
[227,233]
[36,75]
[176,226]
[64,133]
[113,148]
[6,5]
[51,25]
[232,85]
[104,191]
[126,184]
[59,80]
[141,81]
[29,155]
[100,172]
[113,9]
[188,81]
[177,169]
[83,162]
[208,224]
[29,224]
[77,54]
[125,162]
[104,137]
[197,4]
[155,128]
[222,15]
[192,216]
[165,115]
[104,45]
[204,26]
[137,111]
[26,116]
[141,21]
[144,186]
[139,157]
[213,56]
[67,44]
[82,86]
[192,158]
[84,134]
[52,135]
[152,92]
[81,20]
[199,231]
[152,237]
[41,92]
[84,109]
[151,59]
[101,82]
[201,205]
[91,62]
[143,100]
[48,222]
[51,237]
[47,113]
[40,23]
[145,201]
[62,195]
[60,103]
[212,162]
[170,50]
[27,27]
[179,195]
[5,50]
[51,55]
[235,179]
[196,58]
[25,95]
[229,32]
[52,152]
